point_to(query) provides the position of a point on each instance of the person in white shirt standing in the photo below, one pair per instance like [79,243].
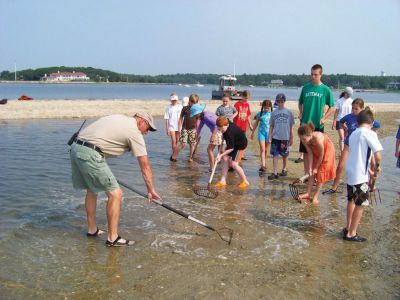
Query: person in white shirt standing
[171,116]
[343,107]
[362,145]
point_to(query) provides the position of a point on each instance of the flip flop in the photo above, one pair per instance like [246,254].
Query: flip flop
[117,243]
[329,191]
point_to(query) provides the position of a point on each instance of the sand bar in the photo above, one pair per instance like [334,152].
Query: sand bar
[57,109]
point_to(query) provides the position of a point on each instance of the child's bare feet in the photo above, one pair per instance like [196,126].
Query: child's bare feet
[303,197]
[315,200]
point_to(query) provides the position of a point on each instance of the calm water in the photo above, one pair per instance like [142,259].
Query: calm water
[142,91]
[281,249]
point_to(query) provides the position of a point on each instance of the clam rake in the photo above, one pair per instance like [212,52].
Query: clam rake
[224,233]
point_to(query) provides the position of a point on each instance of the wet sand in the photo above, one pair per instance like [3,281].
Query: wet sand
[281,249]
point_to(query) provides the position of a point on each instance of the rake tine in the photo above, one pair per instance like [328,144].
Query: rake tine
[379,195]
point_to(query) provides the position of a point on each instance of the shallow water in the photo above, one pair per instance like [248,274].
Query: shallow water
[280,248]
[157,91]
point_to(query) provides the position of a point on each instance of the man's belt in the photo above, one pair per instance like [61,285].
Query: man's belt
[89,145]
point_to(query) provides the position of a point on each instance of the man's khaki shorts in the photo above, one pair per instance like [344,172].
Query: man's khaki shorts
[90,170]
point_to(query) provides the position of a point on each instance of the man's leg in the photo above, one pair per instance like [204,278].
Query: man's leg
[91,204]
[113,211]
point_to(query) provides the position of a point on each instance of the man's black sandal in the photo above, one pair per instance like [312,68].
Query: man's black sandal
[117,243]
[95,234]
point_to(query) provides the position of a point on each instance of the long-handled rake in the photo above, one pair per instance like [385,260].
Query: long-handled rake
[225,233]
[294,191]
[373,189]
[207,191]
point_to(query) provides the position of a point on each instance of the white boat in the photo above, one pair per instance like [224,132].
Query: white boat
[200,85]
[226,85]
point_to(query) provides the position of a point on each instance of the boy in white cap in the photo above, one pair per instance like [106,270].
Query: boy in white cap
[171,116]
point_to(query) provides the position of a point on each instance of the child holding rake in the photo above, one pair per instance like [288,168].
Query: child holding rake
[321,153]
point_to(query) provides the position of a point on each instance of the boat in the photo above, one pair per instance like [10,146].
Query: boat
[25,98]
[199,85]
[3,101]
[227,85]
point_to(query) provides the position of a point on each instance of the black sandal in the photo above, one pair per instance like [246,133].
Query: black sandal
[329,191]
[95,234]
[117,243]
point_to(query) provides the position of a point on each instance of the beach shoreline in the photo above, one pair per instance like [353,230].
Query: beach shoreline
[82,108]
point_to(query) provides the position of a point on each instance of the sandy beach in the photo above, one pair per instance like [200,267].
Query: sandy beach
[387,113]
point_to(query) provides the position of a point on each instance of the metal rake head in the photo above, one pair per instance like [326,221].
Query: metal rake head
[294,191]
[205,191]
[372,195]
[225,234]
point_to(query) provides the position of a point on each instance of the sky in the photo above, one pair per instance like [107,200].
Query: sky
[359,37]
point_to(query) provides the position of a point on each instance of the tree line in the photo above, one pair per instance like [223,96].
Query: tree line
[290,80]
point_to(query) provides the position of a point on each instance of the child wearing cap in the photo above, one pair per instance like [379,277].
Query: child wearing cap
[280,135]
[343,108]
[236,143]
[187,128]
[171,116]
[363,144]
[263,118]
[209,119]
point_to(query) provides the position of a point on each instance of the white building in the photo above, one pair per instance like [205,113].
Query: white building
[66,76]
[276,83]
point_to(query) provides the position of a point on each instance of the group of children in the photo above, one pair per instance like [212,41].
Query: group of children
[228,126]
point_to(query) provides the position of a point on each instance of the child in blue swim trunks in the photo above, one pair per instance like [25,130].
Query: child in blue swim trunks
[262,118]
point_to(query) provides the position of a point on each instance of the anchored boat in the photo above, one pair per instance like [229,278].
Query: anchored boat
[227,85]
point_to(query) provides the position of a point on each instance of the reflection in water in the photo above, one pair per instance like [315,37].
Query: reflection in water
[281,248]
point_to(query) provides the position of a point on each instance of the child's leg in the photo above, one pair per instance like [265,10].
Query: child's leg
[173,139]
[266,152]
[310,182]
[349,215]
[275,163]
[355,220]
[284,162]
[210,151]
[341,139]
[191,150]
[262,152]
[341,165]
[177,149]
[240,171]
[316,194]
[225,166]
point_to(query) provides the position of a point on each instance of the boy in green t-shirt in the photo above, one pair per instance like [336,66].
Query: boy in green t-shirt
[313,98]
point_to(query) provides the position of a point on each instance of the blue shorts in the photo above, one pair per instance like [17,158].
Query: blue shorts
[279,147]
[263,136]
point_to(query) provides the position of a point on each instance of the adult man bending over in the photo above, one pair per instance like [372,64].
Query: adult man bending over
[313,98]
[109,136]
